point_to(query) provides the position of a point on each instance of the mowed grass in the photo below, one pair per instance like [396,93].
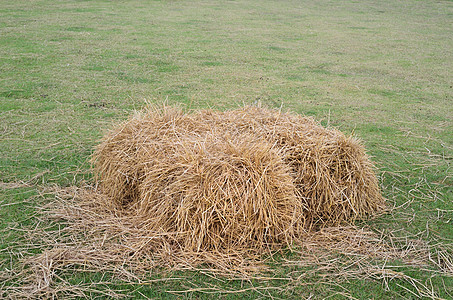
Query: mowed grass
[379,69]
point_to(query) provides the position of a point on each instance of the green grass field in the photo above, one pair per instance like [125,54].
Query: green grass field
[379,69]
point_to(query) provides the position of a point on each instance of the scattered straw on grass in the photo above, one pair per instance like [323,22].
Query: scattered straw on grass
[84,237]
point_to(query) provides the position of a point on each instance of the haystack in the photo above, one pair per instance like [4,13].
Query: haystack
[246,179]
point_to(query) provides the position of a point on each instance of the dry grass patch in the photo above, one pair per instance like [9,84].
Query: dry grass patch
[88,237]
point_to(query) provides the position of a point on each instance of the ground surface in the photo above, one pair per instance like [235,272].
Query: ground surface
[380,69]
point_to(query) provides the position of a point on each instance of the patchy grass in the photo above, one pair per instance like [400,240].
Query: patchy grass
[383,71]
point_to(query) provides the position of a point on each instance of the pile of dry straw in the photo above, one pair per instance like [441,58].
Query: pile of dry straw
[239,181]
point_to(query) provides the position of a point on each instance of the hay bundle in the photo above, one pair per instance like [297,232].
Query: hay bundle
[221,193]
[250,178]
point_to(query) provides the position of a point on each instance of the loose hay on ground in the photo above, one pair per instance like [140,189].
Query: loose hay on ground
[90,238]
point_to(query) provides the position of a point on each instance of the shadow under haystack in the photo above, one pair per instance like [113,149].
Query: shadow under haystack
[243,180]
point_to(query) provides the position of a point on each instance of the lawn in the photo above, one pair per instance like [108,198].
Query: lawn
[381,70]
